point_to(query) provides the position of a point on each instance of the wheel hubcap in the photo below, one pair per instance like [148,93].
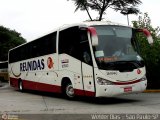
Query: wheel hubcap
[70,91]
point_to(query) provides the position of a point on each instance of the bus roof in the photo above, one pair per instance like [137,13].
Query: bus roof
[91,23]
[82,24]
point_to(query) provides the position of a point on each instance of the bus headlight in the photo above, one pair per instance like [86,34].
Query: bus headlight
[102,81]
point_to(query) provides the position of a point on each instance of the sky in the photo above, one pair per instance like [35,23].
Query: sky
[33,18]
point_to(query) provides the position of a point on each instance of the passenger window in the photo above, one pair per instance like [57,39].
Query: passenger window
[74,42]
[42,46]
[69,42]
[85,49]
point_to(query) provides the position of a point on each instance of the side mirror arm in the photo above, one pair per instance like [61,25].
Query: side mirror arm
[147,34]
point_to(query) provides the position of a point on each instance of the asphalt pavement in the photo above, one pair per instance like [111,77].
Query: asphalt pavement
[40,105]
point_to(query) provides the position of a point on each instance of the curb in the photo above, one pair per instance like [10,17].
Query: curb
[152,91]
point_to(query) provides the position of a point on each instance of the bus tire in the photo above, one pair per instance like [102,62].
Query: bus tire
[68,91]
[20,86]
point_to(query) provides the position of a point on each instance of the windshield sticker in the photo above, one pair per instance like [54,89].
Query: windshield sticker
[99,53]
[107,59]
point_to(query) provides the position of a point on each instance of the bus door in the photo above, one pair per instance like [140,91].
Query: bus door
[87,67]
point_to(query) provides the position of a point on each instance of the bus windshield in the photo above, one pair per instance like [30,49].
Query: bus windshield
[116,46]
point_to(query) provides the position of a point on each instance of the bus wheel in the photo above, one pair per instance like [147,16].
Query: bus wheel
[20,86]
[69,91]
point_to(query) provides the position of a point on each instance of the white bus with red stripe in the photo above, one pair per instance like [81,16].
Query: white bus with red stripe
[99,59]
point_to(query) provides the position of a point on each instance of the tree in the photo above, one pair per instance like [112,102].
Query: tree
[82,5]
[8,39]
[150,54]
[131,10]
[102,5]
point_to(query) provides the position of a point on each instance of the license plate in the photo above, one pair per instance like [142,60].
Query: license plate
[128,89]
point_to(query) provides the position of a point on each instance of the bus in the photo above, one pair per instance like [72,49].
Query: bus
[96,59]
[4,70]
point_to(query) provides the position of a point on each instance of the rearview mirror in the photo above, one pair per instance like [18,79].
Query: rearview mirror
[94,36]
[147,34]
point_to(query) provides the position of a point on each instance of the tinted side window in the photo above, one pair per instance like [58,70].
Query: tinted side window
[15,55]
[45,45]
[49,44]
[42,46]
[85,49]
[69,41]
[74,42]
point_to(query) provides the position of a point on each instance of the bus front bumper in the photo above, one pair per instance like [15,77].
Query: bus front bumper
[114,90]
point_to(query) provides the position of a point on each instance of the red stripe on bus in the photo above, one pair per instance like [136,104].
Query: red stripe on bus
[29,85]
[126,83]
[90,93]
[35,86]
[84,93]
[79,92]
[46,87]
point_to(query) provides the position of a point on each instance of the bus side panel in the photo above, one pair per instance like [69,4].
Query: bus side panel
[88,79]
[47,79]
[49,88]
[70,67]
[41,74]
[29,84]
[14,74]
